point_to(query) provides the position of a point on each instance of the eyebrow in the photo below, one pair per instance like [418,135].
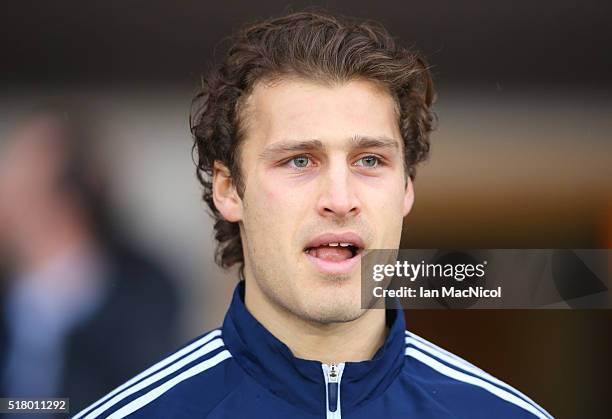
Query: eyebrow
[374,142]
[357,141]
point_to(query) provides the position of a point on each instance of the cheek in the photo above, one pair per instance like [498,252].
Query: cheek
[386,206]
[280,196]
[273,208]
[385,196]
[271,194]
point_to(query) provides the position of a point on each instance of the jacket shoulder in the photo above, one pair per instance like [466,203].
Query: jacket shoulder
[173,383]
[460,383]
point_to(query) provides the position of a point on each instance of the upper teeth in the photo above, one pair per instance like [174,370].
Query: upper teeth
[341,244]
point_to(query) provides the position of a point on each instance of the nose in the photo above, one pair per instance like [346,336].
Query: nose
[338,196]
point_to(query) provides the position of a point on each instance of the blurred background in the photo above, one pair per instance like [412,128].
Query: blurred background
[522,158]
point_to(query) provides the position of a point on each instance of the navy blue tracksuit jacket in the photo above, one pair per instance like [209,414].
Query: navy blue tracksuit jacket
[242,371]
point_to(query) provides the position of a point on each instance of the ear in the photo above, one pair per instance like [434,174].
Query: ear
[408,196]
[224,193]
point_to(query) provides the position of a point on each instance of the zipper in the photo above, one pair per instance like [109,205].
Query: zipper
[333,375]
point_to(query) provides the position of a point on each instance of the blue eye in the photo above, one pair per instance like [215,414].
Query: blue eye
[369,161]
[299,162]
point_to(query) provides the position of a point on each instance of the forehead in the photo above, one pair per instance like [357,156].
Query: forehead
[301,109]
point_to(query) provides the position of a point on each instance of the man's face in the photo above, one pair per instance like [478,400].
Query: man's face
[321,165]
[30,164]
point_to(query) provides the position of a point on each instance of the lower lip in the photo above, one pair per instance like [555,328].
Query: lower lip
[340,267]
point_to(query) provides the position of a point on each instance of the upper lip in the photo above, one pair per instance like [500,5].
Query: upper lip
[352,238]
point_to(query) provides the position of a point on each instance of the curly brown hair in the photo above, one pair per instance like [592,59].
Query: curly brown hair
[313,45]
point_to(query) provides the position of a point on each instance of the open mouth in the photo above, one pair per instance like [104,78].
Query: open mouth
[334,252]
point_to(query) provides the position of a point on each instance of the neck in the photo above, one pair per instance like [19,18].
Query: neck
[352,341]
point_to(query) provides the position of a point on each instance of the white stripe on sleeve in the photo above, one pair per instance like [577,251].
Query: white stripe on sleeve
[209,347]
[158,391]
[166,361]
[466,366]
[460,376]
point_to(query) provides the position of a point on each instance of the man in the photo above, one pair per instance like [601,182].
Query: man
[307,137]
[69,285]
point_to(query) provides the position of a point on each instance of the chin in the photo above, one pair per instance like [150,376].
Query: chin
[332,309]
[336,280]
[336,316]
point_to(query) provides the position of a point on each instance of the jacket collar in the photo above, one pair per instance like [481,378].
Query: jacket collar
[301,382]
